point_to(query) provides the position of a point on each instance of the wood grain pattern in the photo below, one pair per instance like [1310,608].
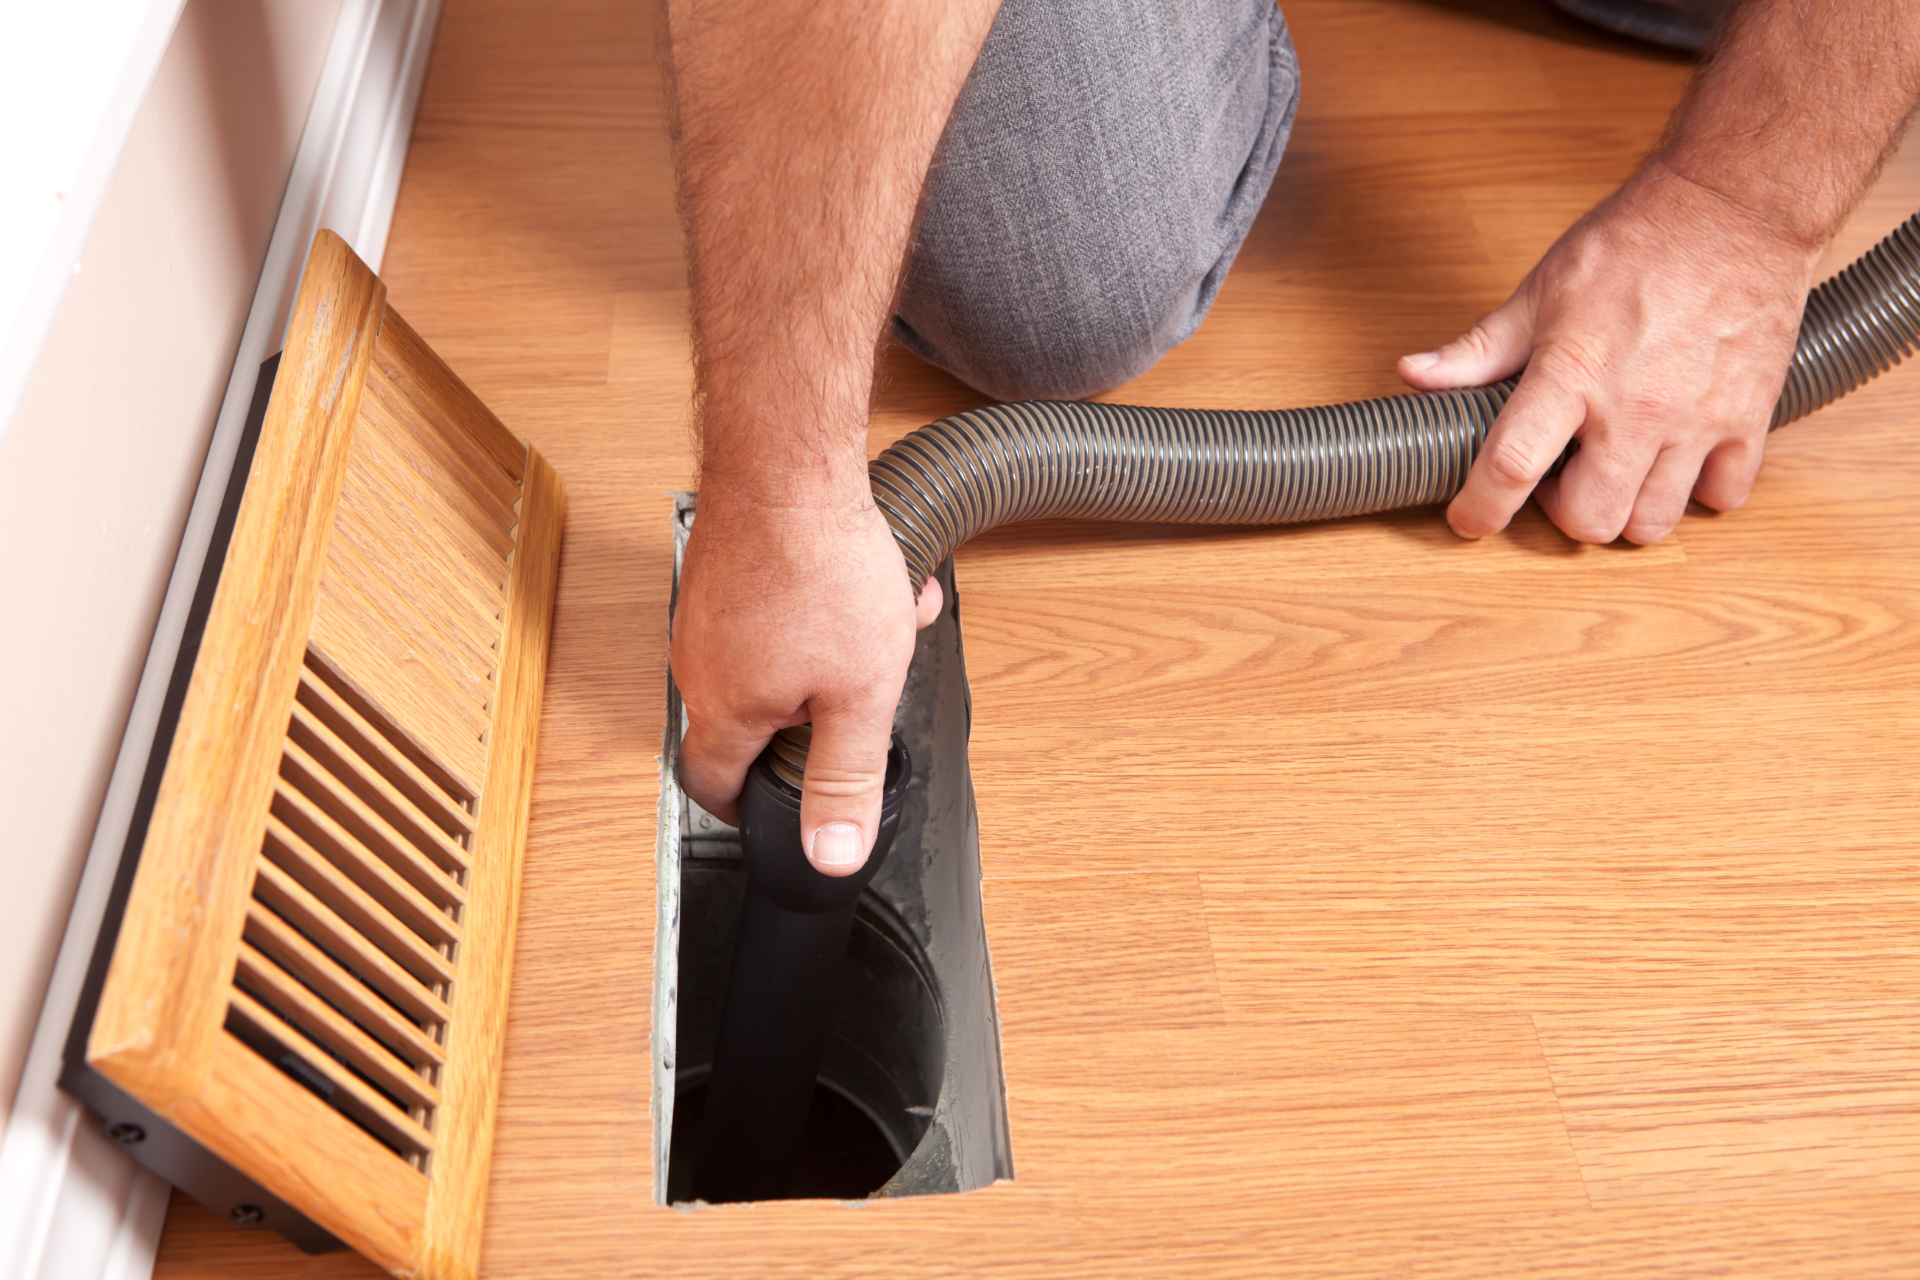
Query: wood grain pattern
[247,1117]
[347,1091]
[289,860]
[1363,903]
[442,720]
[477,1038]
[439,496]
[342,763]
[394,748]
[1716,1102]
[287,945]
[389,572]
[461,418]
[182,926]
[312,976]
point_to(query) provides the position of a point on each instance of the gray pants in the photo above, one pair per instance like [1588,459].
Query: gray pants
[1100,170]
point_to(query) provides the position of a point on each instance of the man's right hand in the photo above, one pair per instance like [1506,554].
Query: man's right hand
[805,128]
[789,615]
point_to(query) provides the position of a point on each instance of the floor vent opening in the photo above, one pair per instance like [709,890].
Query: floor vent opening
[910,1099]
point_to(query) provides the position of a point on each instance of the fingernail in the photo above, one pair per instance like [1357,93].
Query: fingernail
[837,847]
[1422,362]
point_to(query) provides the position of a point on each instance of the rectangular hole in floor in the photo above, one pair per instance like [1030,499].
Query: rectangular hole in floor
[911,1099]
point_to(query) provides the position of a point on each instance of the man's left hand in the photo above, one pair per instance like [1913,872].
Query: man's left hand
[1657,332]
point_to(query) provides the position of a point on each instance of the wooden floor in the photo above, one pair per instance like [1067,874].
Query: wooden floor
[1363,902]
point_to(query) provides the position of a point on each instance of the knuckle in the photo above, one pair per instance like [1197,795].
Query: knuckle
[1729,428]
[830,782]
[1477,341]
[1659,411]
[1513,462]
[1569,362]
[1741,452]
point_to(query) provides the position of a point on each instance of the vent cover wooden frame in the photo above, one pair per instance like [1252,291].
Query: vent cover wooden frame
[297,1009]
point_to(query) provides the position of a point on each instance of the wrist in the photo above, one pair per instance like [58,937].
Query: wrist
[1728,197]
[1791,114]
[1729,223]
[765,505]
[768,460]
[805,488]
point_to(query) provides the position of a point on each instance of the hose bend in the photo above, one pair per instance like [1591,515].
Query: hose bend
[958,477]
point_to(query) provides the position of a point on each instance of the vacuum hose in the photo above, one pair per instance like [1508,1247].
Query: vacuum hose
[794,924]
[946,482]
[961,476]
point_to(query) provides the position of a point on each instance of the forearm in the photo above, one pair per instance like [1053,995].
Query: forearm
[805,132]
[1792,114]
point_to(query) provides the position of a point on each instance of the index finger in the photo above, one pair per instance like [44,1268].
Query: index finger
[713,761]
[1523,443]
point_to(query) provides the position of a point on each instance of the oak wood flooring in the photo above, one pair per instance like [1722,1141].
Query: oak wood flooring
[1362,902]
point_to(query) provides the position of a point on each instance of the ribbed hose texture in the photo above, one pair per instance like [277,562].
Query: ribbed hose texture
[960,476]
[1856,326]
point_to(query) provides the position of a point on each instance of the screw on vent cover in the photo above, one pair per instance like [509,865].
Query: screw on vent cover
[123,1134]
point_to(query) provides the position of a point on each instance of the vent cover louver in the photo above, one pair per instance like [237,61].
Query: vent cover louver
[297,1013]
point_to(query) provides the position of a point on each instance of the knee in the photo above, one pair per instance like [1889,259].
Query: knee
[1072,236]
[1049,331]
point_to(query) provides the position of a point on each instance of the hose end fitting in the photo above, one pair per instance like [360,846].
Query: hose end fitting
[794,923]
[777,865]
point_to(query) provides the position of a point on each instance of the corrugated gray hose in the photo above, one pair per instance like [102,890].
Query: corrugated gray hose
[960,476]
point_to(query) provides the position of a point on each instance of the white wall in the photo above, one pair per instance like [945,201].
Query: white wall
[72,79]
[100,464]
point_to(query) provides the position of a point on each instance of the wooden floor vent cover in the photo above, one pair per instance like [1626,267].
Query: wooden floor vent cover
[296,1010]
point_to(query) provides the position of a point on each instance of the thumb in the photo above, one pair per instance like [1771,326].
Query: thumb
[840,790]
[1498,346]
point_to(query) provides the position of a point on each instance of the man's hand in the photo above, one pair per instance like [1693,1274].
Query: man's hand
[789,615]
[1657,332]
[805,129]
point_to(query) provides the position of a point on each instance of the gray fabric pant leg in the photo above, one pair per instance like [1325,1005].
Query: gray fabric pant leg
[1099,172]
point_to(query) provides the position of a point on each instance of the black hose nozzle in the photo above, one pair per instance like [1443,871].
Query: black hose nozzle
[793,933]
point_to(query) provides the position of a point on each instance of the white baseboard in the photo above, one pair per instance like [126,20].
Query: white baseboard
[72,1206]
